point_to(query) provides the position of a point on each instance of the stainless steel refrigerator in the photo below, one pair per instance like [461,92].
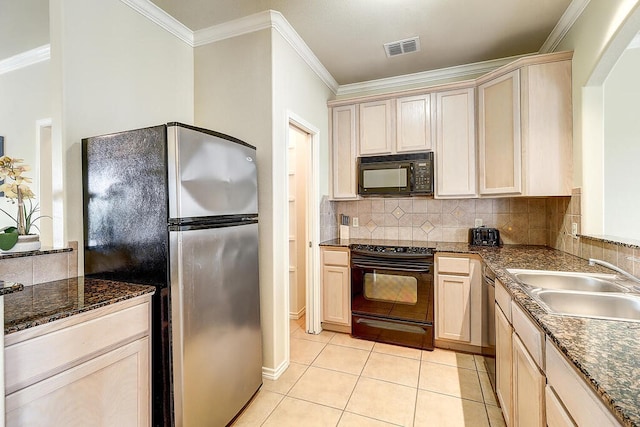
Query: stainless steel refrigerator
[175,206]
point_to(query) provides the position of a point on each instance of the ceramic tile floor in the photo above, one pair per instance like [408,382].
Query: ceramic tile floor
[336,380]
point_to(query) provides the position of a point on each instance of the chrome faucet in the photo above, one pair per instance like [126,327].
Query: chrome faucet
[593,261]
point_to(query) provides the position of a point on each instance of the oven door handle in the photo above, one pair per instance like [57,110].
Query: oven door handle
[382,266]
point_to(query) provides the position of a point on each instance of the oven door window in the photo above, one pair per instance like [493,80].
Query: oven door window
[390,288]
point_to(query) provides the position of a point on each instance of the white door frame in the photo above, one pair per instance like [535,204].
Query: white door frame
[56,169]
[313,224]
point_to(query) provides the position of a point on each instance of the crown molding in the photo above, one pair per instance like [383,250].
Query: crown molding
[152,12]
[237,27]
[295,41]
[24,59]
[568,18]
[426,78]
[261,21]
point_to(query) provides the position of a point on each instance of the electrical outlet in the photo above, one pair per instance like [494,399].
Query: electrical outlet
[478,222]
[574,229]
[355,221]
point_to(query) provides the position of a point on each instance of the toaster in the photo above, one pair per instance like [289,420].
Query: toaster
[484,236]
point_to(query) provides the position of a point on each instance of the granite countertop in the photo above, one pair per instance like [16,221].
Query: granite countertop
[42,251]
[605,352]
[47,302]
[7,288]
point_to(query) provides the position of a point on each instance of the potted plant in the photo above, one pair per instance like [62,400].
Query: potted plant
[15,188]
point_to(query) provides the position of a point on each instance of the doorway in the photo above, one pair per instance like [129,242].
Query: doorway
[303,223]
[298,150]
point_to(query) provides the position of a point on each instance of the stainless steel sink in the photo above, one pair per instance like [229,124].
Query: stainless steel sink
[568,281]
[587,304]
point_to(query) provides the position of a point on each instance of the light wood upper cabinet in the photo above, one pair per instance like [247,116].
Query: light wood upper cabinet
[500,149]
[343,155]
[455,144]
[414,130]
[547,129]
[376,127]
[336,288]
[525,131]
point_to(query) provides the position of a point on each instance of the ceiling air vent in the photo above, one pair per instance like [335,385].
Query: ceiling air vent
[402,47]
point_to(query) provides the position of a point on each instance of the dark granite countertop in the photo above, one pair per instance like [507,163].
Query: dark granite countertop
[605,352]
[7,288]
[42,251]
[46,302]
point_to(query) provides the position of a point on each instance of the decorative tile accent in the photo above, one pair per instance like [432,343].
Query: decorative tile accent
[427,227]
[398,213]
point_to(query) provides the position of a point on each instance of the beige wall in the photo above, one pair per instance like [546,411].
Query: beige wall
[597,38]
[588,39]
[622,147]
[233,96]
[246,86]
[112,70]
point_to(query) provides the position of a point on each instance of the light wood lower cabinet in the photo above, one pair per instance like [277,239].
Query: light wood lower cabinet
[504,364]
[458,295]
[576,401]
[336,289]
[89,369]
[528,388]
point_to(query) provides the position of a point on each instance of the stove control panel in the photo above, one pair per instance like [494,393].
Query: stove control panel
[390,250]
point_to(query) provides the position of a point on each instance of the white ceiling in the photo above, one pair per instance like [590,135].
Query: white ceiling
[347,36]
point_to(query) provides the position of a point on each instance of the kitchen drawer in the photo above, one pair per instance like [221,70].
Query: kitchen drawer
[333,257]
[530,335]
[453,265]
[83,336]
[586,409]
[503,299]
[557,415]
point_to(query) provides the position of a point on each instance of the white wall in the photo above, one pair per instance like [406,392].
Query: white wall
[24,25]
[26,98]
[113,70]
[622,147]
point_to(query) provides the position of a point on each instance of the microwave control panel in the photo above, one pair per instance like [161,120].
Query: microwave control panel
[422,177]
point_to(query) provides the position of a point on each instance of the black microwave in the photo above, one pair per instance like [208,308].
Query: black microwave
[396,175]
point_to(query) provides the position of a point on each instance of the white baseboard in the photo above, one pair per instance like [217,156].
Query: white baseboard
[274,374]
[298,315]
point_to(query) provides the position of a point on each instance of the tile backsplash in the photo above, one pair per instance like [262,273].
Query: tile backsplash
[520,220]
[35,268]
[563,213]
